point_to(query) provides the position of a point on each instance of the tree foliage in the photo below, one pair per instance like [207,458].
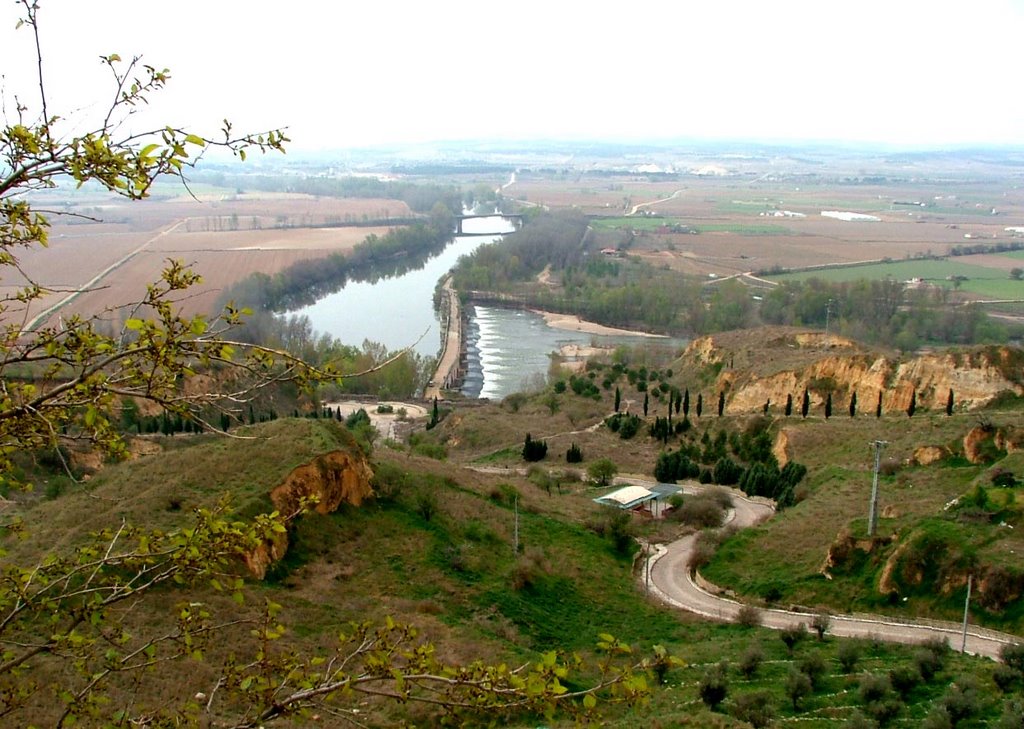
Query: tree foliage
[68,640]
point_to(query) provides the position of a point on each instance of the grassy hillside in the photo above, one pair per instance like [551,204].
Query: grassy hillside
[436,547]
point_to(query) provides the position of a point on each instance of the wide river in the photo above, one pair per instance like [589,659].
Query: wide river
[508,350]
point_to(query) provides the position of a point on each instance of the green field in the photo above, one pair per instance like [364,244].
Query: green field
[987,282]
[651,223]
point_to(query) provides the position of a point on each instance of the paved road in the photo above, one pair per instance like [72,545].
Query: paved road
[671,581]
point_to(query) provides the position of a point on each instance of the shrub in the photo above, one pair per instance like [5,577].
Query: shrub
[815,667]
[820,624]
[530,567]
[793,635]
[755,708]
[574,454]
[714,686]
[748,616]
[701,512]
[426,504]
[534,450]
[751,659]
[1012,716]
[848,654]
[1006,677]
[904,679]
[961,700]
[797,685]
[1012,655]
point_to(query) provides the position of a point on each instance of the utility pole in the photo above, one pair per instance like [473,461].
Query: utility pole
[967,605]
[515,503]
[828,319]
[873,508]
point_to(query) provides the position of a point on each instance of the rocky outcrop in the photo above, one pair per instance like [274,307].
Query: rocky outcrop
[330,480]
[927,455]
[975,376]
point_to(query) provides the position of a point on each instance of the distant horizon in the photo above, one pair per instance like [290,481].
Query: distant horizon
[912,75]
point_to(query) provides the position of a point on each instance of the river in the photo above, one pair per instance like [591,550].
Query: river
[507,350]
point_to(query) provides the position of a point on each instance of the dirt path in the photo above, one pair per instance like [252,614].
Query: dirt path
[41,317]
[669,578]
[637,207]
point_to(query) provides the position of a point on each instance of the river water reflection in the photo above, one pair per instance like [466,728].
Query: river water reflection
[399,310]
[507,349]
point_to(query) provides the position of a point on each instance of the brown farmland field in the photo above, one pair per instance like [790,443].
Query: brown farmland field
[125,245]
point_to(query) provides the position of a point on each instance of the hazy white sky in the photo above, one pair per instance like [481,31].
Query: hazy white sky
[345,74]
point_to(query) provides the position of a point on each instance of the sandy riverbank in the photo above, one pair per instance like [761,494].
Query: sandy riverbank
[571,322]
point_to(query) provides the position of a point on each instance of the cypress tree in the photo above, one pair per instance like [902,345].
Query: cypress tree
[853,404]
[949,402]
[679,402]
[789,404]
[828,406]
[618,398]
[686,402]
[700,404]
[805,405]
[878,407]
[912,407]
[646,402]
[721,403]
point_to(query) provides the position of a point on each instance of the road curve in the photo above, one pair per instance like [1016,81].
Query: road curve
[668,578]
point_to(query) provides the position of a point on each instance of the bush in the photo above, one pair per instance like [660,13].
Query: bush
[904,679]
[748,616]
[755,707]
[821,623]
[534,450]
[961,700]
[530,567]
[751,660]
[815,667]
[426,504]
[714,686]
[848,654]
[797,686]
[791,636]
[700,512]
[1012,655]
[1006,677]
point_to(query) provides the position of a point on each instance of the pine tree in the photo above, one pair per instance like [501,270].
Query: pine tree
[853,404]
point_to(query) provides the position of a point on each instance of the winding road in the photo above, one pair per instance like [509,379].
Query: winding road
[669,579]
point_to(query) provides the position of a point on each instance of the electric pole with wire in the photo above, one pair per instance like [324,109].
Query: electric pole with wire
[878,445]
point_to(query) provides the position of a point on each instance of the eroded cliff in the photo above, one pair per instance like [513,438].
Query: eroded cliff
[772,367]
[332,479]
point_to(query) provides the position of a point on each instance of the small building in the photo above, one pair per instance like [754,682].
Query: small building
[652,502]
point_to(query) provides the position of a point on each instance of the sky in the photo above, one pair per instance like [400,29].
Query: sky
[354,74]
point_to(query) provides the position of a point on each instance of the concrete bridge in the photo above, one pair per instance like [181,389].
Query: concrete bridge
[516,218]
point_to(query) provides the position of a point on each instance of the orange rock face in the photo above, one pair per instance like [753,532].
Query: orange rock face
[332,479]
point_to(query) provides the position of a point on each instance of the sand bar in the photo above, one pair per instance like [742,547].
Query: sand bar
[571,322]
